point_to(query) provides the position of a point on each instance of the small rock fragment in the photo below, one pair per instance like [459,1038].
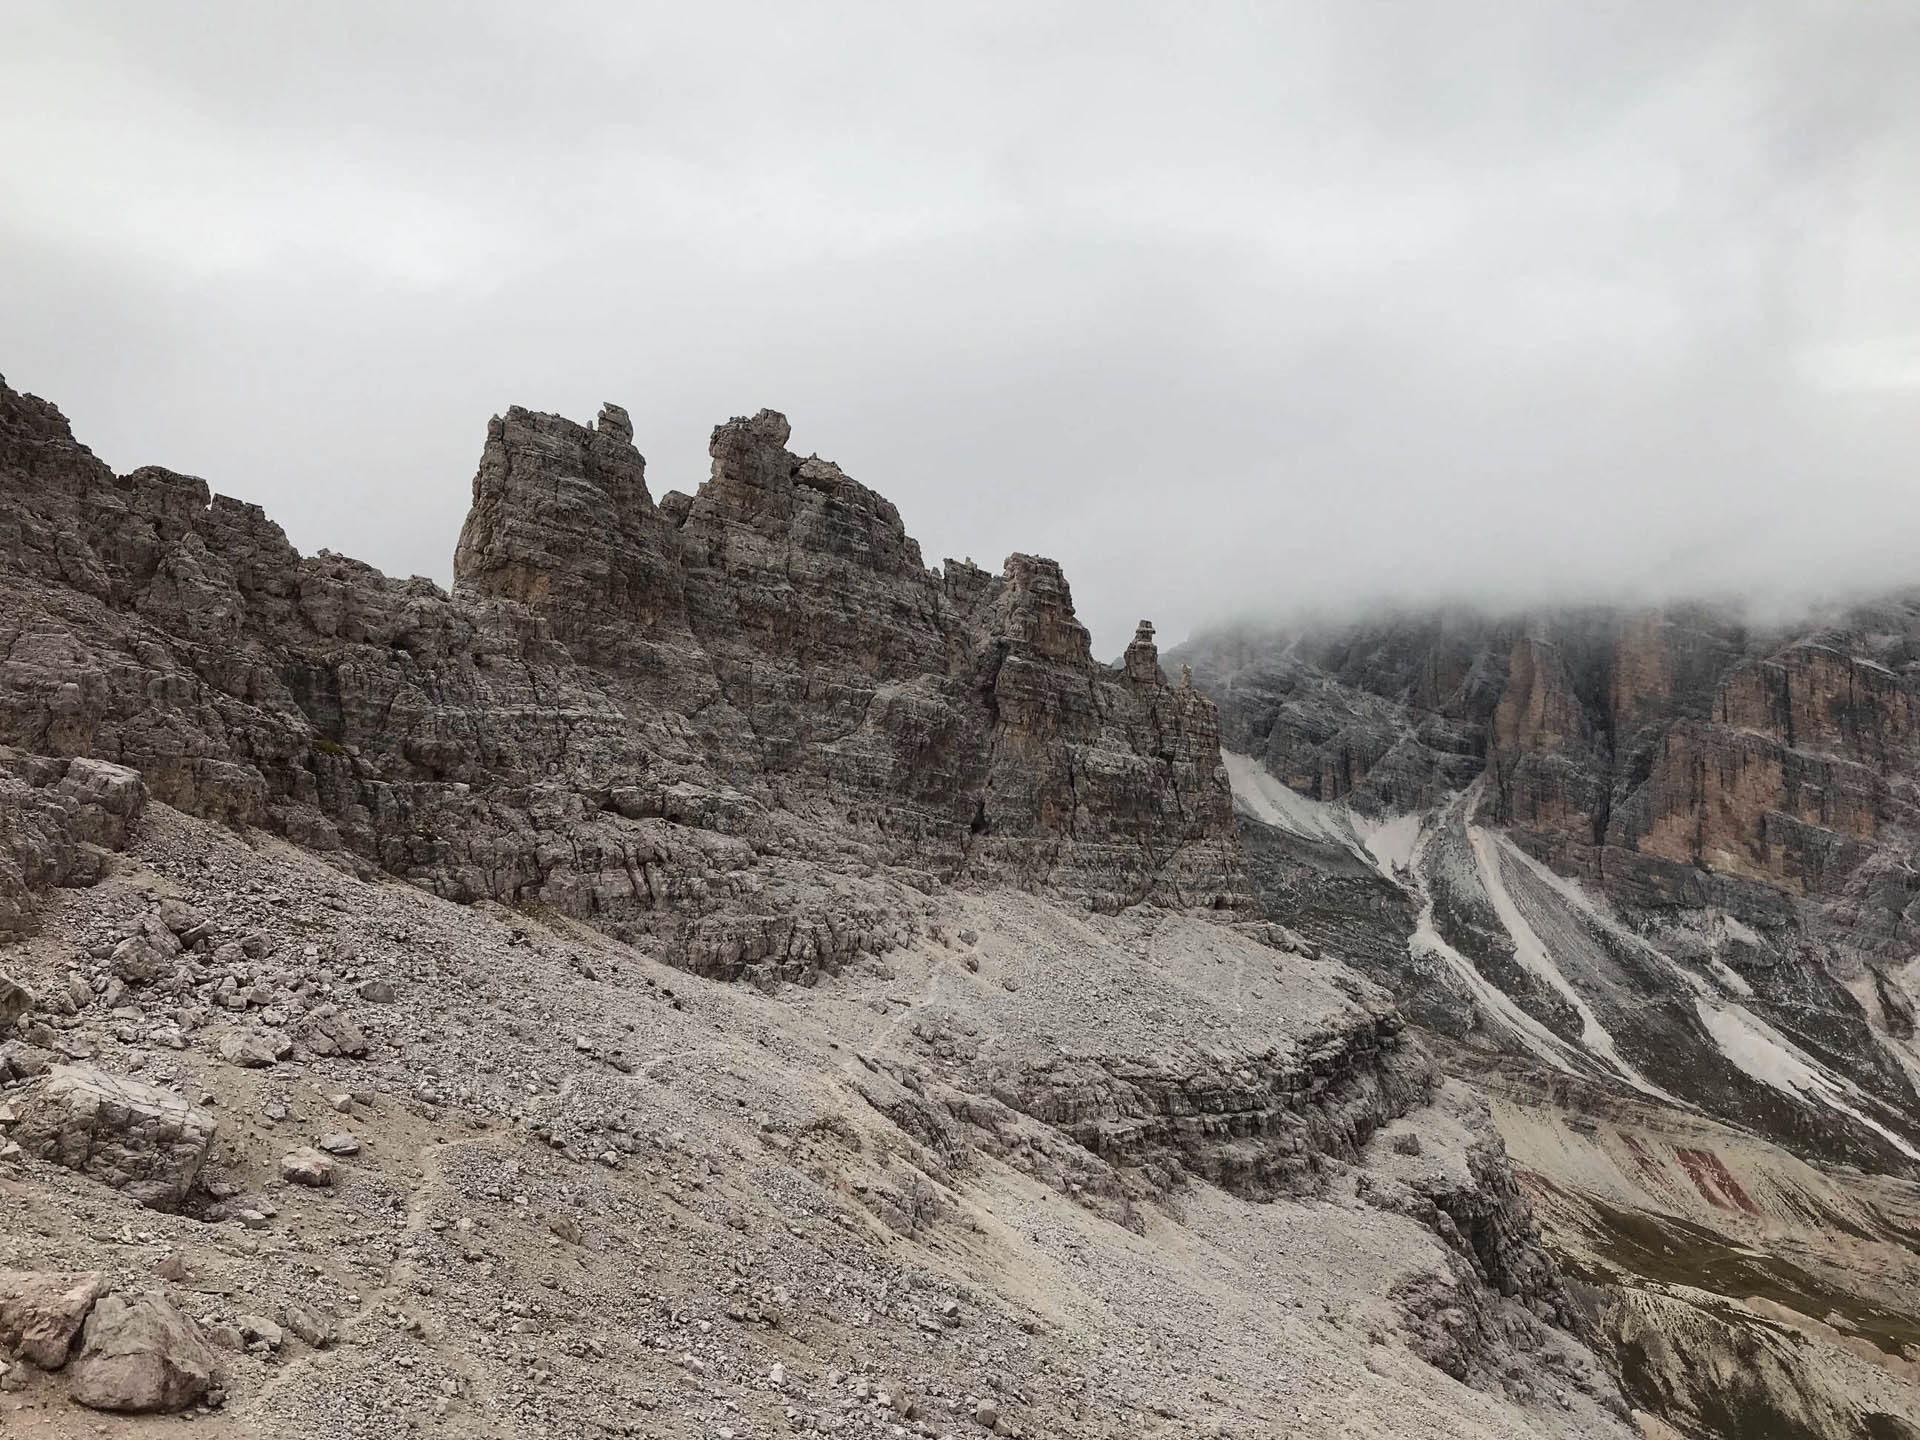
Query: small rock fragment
[308,1326]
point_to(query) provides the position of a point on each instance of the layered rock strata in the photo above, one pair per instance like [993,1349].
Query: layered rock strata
[1745,800]
[743,726]
[1671,757]
[1258,1125]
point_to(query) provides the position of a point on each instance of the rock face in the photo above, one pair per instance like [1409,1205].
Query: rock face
[140,1356]
[123,1132]
[662,718]
[1745,802]
[957,722]
[58,820]
[41,1311]
[1669,757]
[1662,866]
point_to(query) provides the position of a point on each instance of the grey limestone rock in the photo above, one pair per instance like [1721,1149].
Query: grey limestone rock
[140,1356]
[329,1032]
[123,1132]
[59,818]
[307,1166]
[254,1047]
[15,1001]
[41,1311]
[745,727]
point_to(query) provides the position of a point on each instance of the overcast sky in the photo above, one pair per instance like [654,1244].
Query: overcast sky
[1230,307]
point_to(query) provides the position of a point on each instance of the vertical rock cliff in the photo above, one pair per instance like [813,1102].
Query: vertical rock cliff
[1651,876]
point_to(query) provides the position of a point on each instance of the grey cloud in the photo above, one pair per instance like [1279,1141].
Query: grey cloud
[1229,308]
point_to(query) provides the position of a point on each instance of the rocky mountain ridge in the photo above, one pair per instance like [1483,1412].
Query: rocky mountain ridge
[629,712]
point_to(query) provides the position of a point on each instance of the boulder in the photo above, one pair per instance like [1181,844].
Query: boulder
[141,960]
[140,1356]
[311,1328]
[254,1048]
[15,1001]
[328,1032]
[42,1310]
[136,1137]
[21,1061]
[187,924]
[307,1166]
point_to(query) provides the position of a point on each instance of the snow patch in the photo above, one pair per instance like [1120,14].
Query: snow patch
[1769,1057]
[1736,929]
[1392,842]
[1732,979]
[1271,801]
[1531,951]
[1498,1005]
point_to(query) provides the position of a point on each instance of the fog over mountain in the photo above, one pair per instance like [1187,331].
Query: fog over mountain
[1229,309]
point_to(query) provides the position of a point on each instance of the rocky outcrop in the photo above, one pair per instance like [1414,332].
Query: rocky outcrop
[1728,1375]
[135,1137]
[674,719]
[1260,1126]
[954,723]
[59,818]
[41,1311]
